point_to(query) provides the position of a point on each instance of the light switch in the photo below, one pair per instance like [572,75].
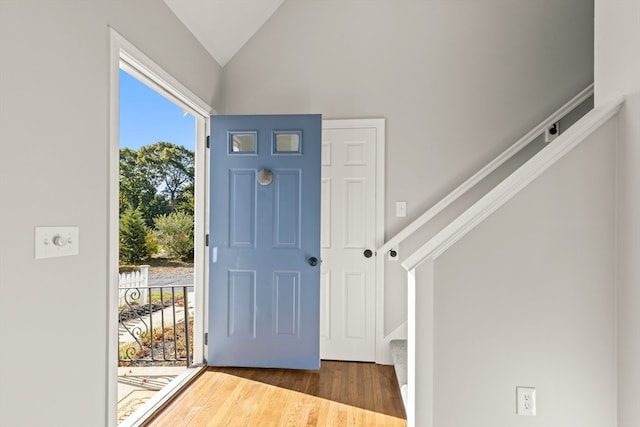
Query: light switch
[51,242]
[401,209]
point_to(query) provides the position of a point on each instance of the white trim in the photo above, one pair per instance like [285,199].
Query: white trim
[508,188]
[205,194]
[420,376]
[411,348]
[379,126]
[112,238]
[124,54]
[485,171]
[200,261]
[134,61]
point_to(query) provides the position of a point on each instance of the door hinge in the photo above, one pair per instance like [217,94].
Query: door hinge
[208,141]
[206,240]
[206,338]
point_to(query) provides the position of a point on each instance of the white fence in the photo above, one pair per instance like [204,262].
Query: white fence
[135,279]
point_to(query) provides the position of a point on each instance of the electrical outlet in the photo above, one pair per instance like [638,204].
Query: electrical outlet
[526,401]
[552,132]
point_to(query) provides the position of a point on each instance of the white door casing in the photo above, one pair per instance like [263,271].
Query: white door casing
[352,223]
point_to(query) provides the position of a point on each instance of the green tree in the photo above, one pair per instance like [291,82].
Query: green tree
[170,168]
[133,237]
[158,179]
[137,189]
[186,201]
[174,233]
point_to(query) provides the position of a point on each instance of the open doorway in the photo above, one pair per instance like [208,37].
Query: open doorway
[156,245]
[157,227]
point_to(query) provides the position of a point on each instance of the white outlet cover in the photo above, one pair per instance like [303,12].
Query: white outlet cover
[526,401]
[51,242]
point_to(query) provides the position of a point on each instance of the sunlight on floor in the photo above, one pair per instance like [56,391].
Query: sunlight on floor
[223,399]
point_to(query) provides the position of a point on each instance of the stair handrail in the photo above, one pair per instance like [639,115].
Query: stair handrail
[486,170]
[511,185]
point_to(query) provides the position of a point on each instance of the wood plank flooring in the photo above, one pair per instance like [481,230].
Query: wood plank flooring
[339,394]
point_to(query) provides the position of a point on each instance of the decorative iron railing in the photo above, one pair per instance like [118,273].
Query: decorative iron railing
[155,326]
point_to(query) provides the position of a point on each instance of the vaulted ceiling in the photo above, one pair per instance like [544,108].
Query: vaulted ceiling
[223,26]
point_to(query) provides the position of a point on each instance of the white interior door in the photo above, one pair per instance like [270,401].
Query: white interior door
[348,243]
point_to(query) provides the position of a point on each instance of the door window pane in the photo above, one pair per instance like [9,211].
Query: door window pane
[242,142]
[287,142]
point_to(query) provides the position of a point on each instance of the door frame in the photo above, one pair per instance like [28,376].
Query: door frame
[125,55]
[378,125]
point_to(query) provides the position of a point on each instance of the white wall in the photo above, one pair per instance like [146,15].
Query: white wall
[617,73]
[628,265]
[617,43]
[534,304]
[457,81]
[54,75]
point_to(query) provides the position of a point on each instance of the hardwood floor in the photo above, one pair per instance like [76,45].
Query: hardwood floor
[339,394]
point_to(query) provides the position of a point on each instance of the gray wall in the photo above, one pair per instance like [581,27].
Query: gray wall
[458,82]
[54,75]
[535,303]
[628,265]
[617,43]
[617,67]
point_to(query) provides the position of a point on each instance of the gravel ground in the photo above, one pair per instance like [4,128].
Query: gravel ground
[156,273]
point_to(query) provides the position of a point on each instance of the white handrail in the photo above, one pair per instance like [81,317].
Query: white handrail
[485,171]
[508,188]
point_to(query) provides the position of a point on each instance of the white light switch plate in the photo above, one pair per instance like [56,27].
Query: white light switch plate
[51,242]
[401,209]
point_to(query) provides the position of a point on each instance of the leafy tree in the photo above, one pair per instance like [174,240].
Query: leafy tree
[137,190]
[151,242]
[156,183]
[133,235]
[186,201]
[170,168]
[174,233]
[158,179]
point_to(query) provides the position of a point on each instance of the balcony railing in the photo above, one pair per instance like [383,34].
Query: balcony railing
[155,326]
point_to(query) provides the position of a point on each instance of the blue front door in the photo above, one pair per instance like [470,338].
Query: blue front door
[265,241]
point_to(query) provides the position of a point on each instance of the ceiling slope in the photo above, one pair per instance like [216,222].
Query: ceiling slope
[223,26]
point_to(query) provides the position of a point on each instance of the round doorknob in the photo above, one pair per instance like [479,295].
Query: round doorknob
[313,261]
[368,253]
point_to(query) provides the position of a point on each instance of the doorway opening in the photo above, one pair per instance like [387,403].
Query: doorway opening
[156,248]
[157,226]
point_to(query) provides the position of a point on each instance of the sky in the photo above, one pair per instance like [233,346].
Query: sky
[146,117]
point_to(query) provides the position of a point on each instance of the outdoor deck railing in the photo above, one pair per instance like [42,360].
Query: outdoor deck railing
[155,325]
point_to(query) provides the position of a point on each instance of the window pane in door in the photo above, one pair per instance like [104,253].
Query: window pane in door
[287,142]
[242,142]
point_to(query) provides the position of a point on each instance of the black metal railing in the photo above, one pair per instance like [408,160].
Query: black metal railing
[155,326]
